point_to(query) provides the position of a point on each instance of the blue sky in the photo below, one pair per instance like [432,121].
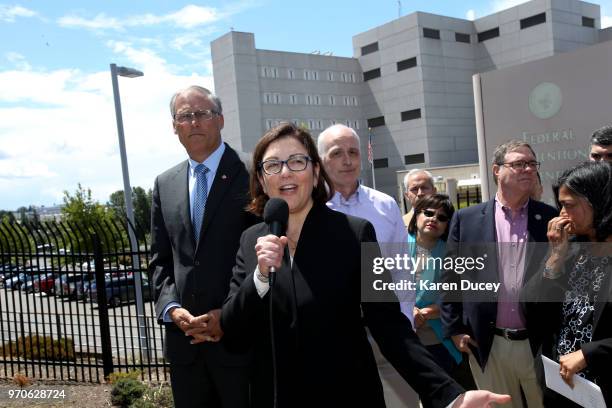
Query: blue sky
[57,123]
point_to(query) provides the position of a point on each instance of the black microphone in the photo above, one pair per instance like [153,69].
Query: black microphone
[276,214]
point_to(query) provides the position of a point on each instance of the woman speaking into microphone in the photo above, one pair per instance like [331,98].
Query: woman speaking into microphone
[318,354]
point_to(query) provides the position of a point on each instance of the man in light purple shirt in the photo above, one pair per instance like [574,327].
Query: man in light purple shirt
[490,325]
[339,147]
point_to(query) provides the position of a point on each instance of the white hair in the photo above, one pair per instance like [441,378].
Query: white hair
[417,171]
[322,142]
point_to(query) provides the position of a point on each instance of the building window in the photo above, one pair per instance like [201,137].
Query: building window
[332,100]
[308,99]
[277,98]
[267,98]
[296,122]
[311,75]
[406,64]
[381,163]
[330,76]
[354,100]
[316,99]
[356,125]
[370,48]
[487,35]
[588,22]
[319,124]
[461,37]
[431,33]
[291,74]
[414,158]
[293,99]
[352,77]
[378,121]
[371,74]
[533,20]
[269,124]
[411,114]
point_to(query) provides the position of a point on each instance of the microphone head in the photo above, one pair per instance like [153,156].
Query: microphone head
[276,210]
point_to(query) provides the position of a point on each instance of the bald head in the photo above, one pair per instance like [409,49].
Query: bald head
[338,147]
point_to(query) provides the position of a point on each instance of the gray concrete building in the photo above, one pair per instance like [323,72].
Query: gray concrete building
[409,81]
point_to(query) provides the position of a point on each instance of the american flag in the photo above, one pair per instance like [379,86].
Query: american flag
[370,152]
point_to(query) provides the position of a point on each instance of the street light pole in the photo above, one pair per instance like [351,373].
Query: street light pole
[129,209]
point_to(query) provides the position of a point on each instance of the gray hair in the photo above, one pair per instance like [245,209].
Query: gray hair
[322,143]
[200,89]
[417,171]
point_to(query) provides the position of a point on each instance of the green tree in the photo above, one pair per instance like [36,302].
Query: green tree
[81,209]
[141,202]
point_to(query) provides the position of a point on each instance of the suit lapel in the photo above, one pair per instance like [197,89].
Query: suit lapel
[228,167]
[490,236]
[180,191]
[535,252]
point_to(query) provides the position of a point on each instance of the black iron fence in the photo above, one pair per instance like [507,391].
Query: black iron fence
[467,196]
[76,303]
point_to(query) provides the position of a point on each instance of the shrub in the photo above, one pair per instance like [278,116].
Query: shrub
[133,374]
[126,391]
[40,348]
[159,397]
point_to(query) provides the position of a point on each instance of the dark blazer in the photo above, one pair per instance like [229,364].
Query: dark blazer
[542,302]
[323,355]
[472,234]
[197,276]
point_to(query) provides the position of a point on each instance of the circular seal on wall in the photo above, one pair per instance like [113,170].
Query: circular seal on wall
[545,100]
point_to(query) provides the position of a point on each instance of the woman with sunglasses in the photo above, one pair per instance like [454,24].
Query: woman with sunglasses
[322,354]
[427,233]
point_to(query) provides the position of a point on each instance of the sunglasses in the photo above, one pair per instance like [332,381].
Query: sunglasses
[432,214]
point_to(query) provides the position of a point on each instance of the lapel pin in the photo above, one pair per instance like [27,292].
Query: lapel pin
[538,217]
[224,177]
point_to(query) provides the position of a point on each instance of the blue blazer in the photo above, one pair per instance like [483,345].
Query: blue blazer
[476,315]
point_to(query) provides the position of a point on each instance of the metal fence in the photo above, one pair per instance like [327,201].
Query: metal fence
[68,303]
[467,196]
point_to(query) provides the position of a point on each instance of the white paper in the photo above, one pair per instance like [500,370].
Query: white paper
[584,393]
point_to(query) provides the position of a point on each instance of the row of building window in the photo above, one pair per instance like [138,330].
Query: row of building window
[405,115]
[483,35]
[401,66]
[313,124]
[295,99]
[308,74]
[408,159]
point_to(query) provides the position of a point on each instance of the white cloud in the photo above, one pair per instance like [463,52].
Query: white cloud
[101,21]
[188,17]
[9,13]
[60,129]
[18,61]
[470,15]
[606,21]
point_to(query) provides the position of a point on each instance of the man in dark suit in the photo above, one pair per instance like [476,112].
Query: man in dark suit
[503,232]
[197,218]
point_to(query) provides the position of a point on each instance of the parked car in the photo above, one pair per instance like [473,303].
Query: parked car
[119,290]
[15,281]
[45,283]
[67,285]
[7,271]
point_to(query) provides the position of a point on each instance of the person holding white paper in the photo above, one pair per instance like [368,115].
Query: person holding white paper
[570,299]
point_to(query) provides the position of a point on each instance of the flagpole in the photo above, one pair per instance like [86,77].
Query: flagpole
[371,157]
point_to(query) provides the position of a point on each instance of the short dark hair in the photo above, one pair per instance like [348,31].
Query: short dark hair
[602,136]
[433,201]
[593,181]
[322,192]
